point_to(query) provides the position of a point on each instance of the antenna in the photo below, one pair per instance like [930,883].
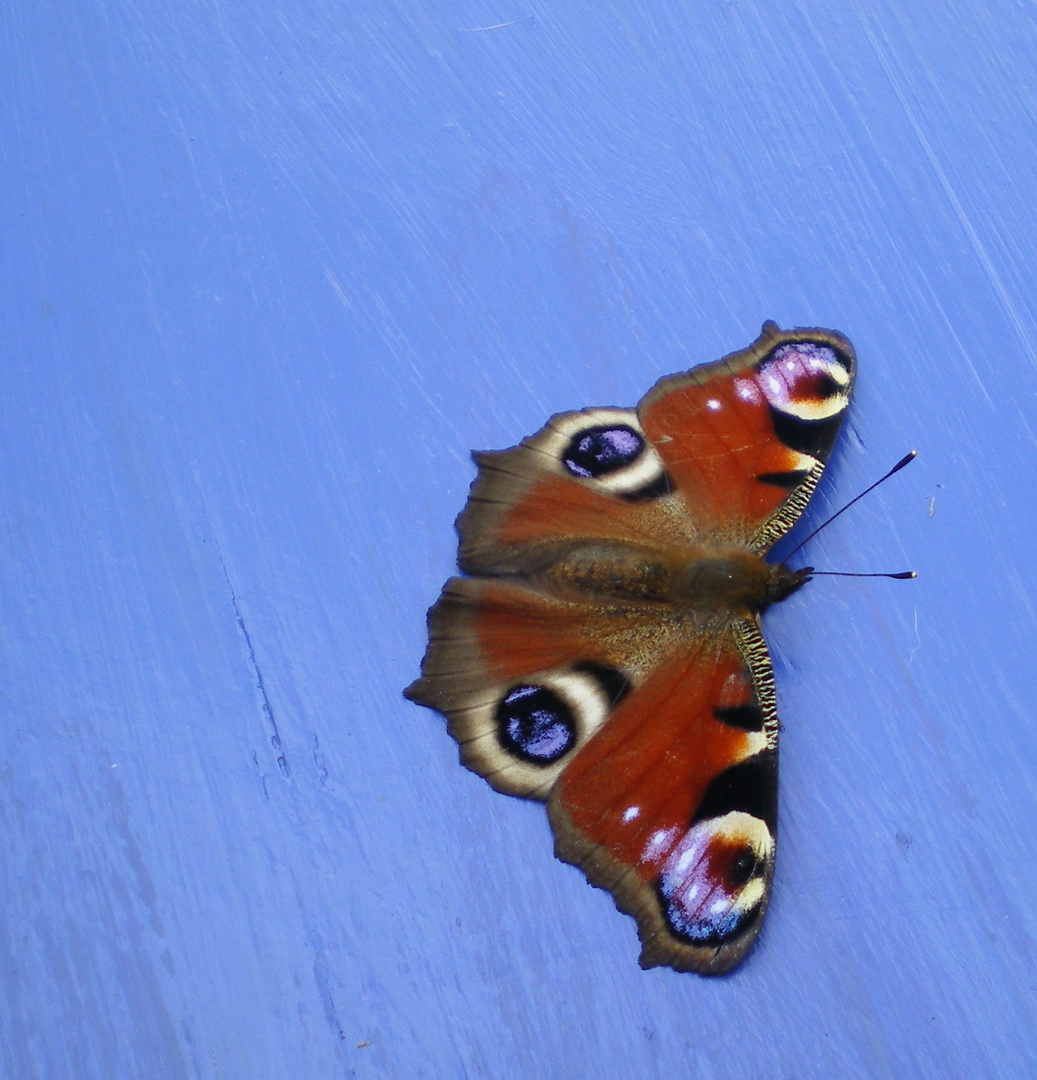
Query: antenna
[905,460]
[903,575]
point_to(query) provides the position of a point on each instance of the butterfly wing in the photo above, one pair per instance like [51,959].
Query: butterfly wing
[652,733]
[745,440]
[525,679]
[729,452]
[672,805]
[650,727]
[586,475]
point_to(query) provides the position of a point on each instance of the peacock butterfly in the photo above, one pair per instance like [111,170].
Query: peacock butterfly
[604,652]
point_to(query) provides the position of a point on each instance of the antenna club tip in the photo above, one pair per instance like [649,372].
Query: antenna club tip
[905,460]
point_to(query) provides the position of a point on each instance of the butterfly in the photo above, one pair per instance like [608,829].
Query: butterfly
[603,652]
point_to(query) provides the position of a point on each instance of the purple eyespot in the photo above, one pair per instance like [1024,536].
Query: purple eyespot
[801,371]
[807,386]
[598,451]
[706,883]
[535,724]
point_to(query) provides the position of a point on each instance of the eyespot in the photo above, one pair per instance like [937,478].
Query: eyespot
[605,449]
[535,724]
[714,881]
[598,451]
[805,380]
[540,720]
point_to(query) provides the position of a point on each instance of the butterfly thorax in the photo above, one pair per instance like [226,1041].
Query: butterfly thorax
[735,581]
[731,579]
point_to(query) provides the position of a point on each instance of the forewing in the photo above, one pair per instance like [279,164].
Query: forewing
[671,806]
[745,440]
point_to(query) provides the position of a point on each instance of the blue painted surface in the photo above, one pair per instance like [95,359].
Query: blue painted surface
[270,270]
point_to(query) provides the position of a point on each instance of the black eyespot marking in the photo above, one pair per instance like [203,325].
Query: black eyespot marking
[825,386]
[750,786]
[599,451]
[659,487]
[614,683]
[535,724]
[787,480]
[813,437]
[747,717]
[744,867]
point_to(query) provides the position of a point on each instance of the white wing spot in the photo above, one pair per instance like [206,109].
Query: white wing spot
[658,842]
[686,859]
[748,390]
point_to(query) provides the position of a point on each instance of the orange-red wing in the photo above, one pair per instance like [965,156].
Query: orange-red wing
[637,784]
[671,805]
[745,440]
[585,475]
[525,678]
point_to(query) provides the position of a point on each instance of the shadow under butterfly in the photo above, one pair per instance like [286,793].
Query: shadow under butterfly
[604,652]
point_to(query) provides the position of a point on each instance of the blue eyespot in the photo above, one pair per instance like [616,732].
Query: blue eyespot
[535,724]
[601,450]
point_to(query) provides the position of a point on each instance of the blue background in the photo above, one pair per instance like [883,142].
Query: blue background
[270,270]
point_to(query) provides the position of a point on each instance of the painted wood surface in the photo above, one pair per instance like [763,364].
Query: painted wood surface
[270,271]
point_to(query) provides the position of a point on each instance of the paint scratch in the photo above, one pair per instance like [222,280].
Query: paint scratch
[496,26]
[257,674]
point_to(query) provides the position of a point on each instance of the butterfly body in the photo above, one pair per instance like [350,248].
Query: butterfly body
[733,580]
[605,654]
